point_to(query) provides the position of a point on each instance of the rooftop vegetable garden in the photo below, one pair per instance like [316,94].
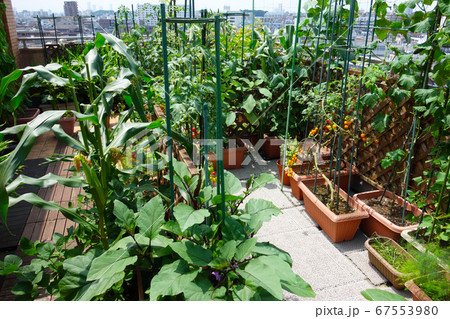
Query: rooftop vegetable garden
[161,218]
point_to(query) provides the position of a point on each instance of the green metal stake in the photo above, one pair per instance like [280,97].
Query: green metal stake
[359,101]
[205,149]
[167,102]
[253,19]
[132,12]
[219,137]
[126,21]
[116,26]
[243,36]
[54,27]
[290,91]
[344,87]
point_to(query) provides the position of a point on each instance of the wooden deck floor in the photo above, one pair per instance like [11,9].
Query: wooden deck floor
[42,224]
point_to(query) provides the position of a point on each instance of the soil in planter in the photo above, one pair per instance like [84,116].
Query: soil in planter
[392,254]
[324,196]
[394,215]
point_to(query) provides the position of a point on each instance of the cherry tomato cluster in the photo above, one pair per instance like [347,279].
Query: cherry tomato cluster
[194,134]
[212,175]
[292,160]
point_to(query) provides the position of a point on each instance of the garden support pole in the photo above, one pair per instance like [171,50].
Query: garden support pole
[359,101]
[205,149]
[219,137]
[290,91]
[243,36]
[92,26]
[54,28]
[344,93]
[41,34]
[132,16]
[126,21]
[116,25]
[167,102]
[253,21]
[80,26]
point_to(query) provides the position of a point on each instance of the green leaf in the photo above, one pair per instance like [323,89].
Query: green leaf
[233,230]
[245,248]
[10,264]
[268,249]
[128,130]
[98,287]
[67,139]
[444,6]
[45,181]
[45,250]
[228,250]
[370,99]
[46,74]
[258,211]
[13,76]
[265,92]
[232,183]
[202,290]
[95,63]
[27,247]
[192,253]
[230,118]
[125,216]
[109,264]
[120,47]
[381,295]
[258,273]
[407,81]
[35,200]
[249,104]
[171,280]
[277,82]
[381,122]
[423,26]
[262,180]
[187,216]
[289,280]
[151,217]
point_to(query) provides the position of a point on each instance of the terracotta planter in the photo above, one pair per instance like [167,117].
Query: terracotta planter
[337,227]
[67,124]
[296,178]
[27,116]
[232,157]
[377,223]
[272,146]
[391,274]
[417,292]
[286,178]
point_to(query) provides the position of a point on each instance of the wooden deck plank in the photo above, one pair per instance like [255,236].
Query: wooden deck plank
[47,233]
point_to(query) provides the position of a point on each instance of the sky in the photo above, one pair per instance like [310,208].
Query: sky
[57,6]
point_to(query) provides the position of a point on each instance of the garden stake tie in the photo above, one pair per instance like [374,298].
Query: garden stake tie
[290,92]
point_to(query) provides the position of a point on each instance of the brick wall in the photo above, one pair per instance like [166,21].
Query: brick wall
[10,28]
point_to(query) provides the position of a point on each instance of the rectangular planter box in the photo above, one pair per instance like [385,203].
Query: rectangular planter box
[377,223]
[337,227]
[417,292]
[383,266]
[271,147]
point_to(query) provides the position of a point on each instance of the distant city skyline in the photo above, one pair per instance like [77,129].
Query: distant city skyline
[269,5]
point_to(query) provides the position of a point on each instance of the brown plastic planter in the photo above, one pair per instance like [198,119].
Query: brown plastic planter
[286,178]
[383,266]
[232,157]
[272,146]
[337,227]
[417,293]
[67,124]
[377,223]
[27,116]
[295,179]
